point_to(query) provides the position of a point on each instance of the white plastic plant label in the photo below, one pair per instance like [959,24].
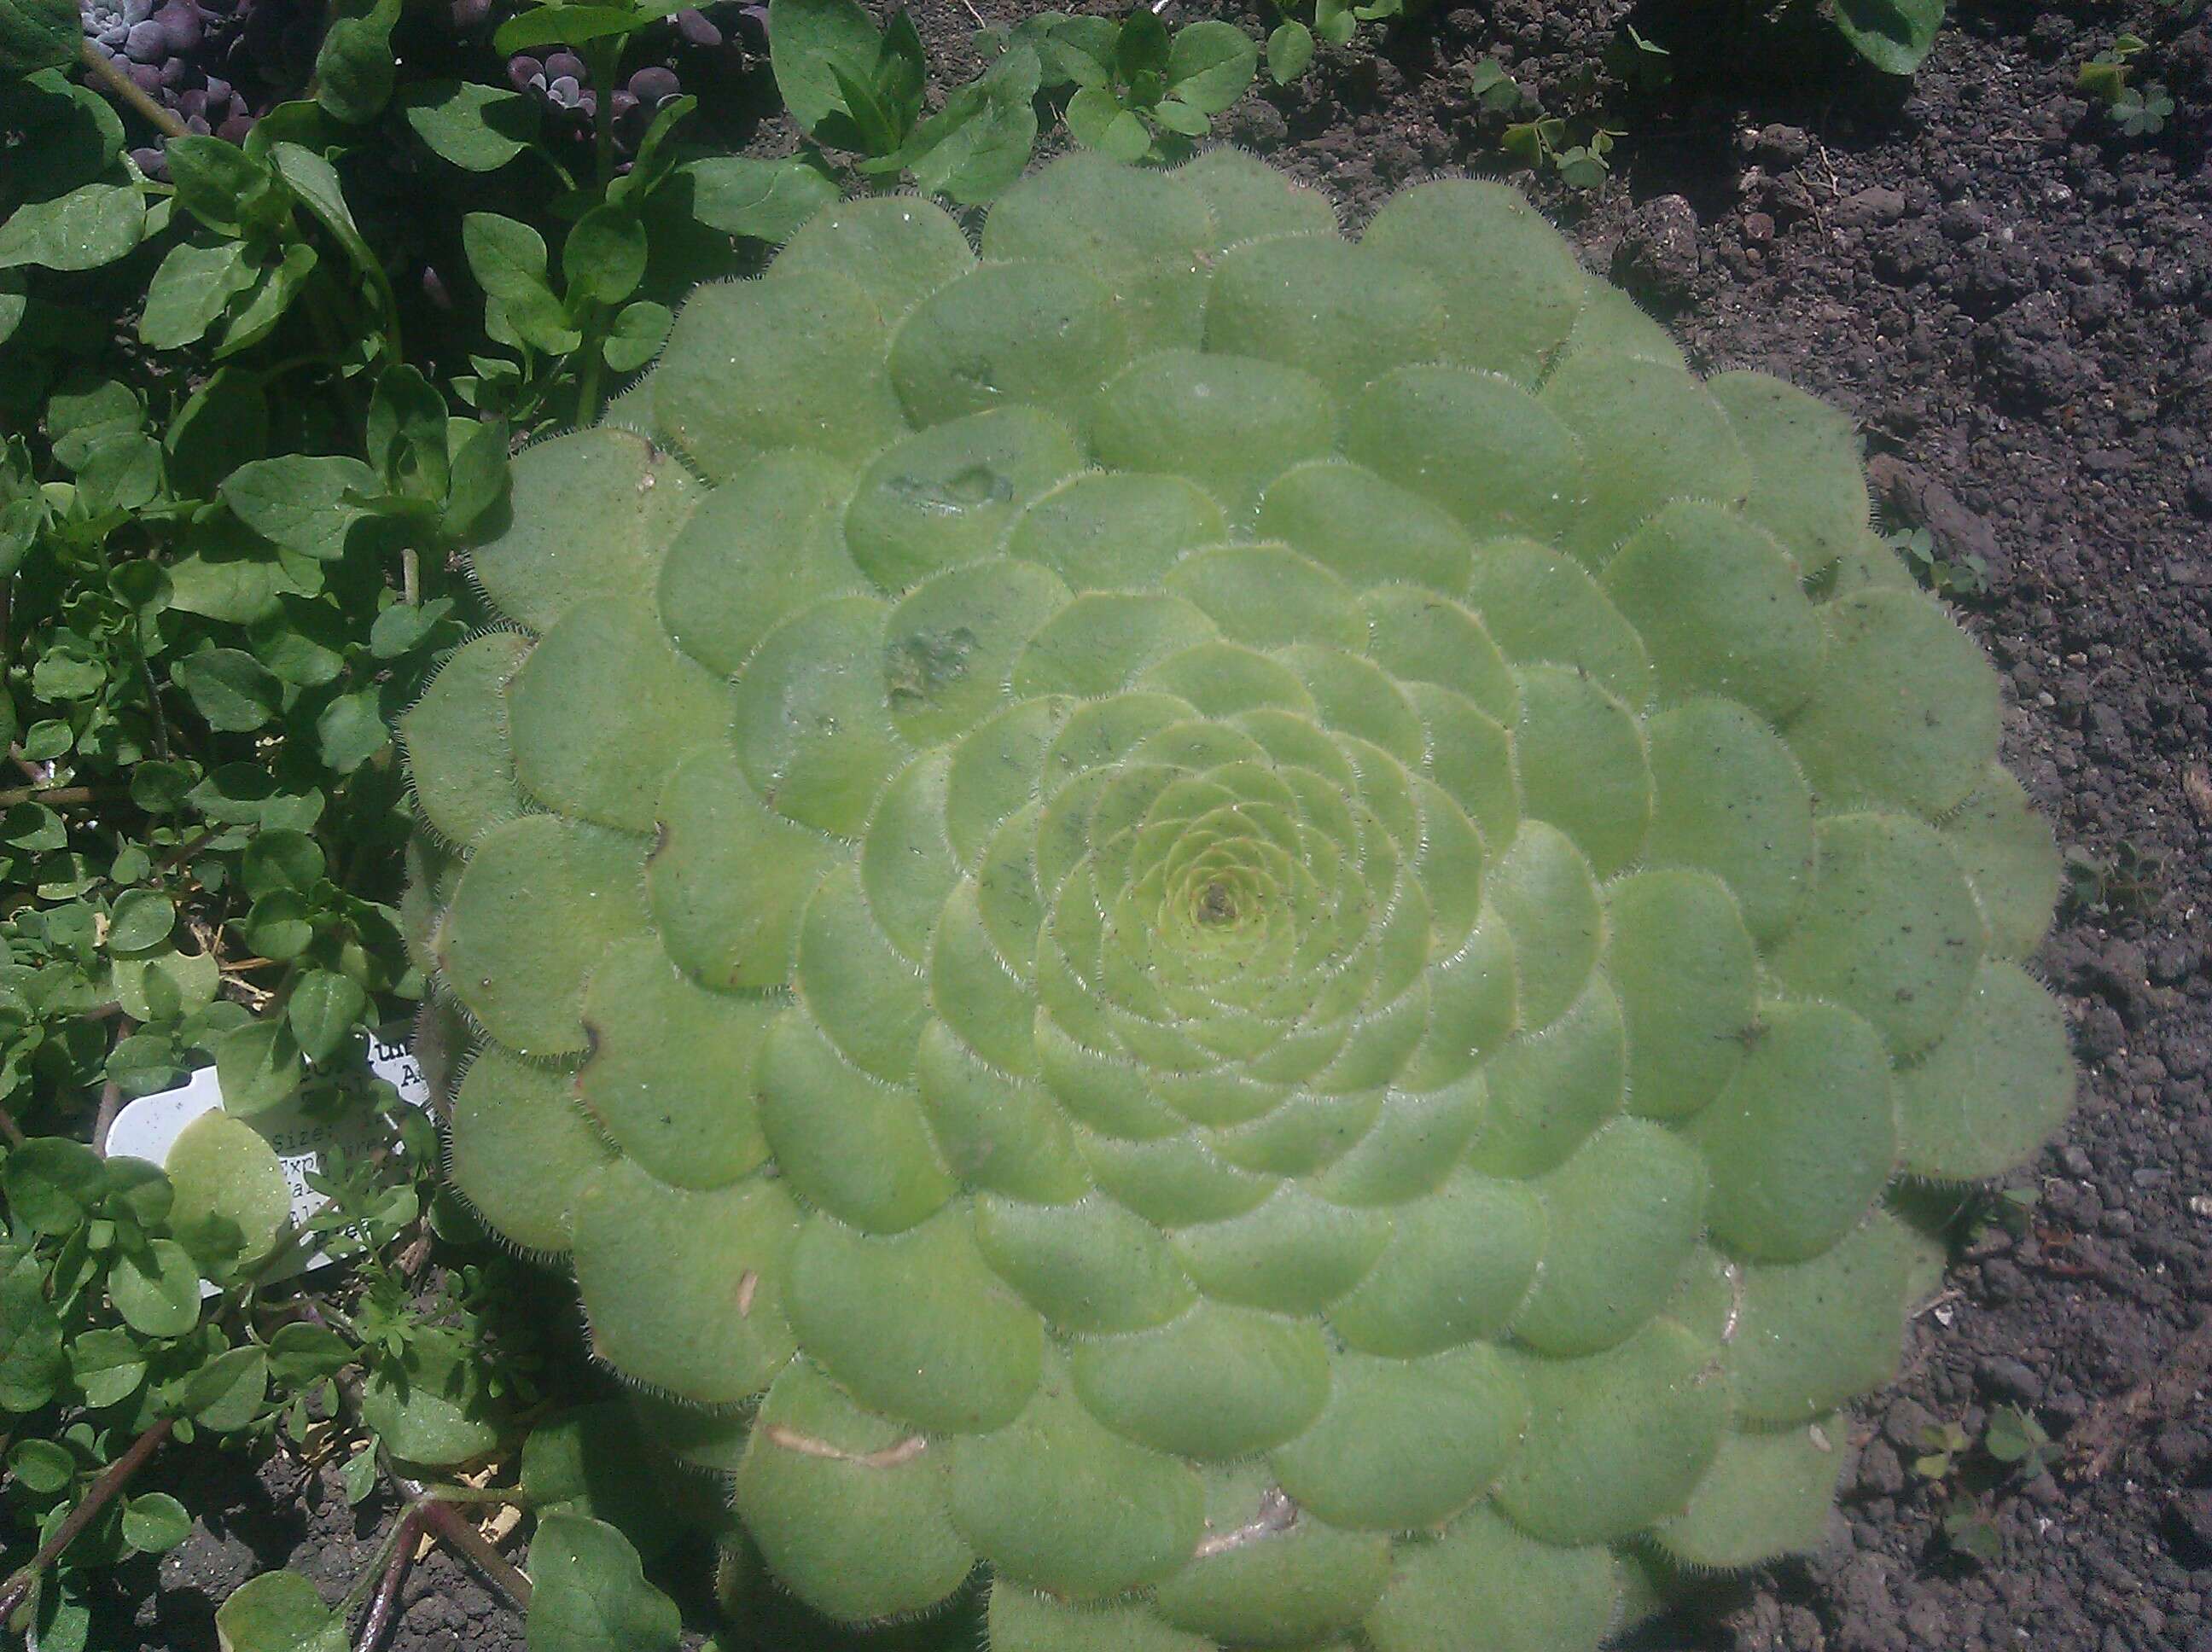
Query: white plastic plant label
[149,1127]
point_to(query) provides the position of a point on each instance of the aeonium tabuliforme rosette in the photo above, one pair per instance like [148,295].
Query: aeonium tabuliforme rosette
[1240,927]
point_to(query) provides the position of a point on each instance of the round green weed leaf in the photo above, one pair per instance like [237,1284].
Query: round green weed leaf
[52,1183]
[429,1405]
[278,1612]
[231,1202]
[154,1522]
[157,1294]
[588,1590]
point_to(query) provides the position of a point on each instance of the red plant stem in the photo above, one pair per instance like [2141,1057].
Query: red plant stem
[10,1129]
[186,851]
[384,1610]
[111,1094]
[450,1528]
[51,795]
[18,1587]
[111,1103]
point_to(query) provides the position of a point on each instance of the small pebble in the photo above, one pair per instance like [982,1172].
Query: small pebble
[651,85]
[179,24]
[2007,1378]
[1781,146]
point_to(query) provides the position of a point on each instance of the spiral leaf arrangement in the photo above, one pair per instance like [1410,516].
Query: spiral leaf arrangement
[1239,924]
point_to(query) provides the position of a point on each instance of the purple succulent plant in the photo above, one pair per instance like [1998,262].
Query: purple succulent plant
[561,80]
[218,64]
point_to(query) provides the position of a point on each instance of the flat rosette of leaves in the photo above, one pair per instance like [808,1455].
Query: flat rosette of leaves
[1242,926]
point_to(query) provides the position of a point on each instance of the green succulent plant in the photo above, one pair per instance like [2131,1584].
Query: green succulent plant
[1239,924]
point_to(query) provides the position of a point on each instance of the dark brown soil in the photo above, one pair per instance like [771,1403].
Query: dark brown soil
[2015,301]
[282,1514]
